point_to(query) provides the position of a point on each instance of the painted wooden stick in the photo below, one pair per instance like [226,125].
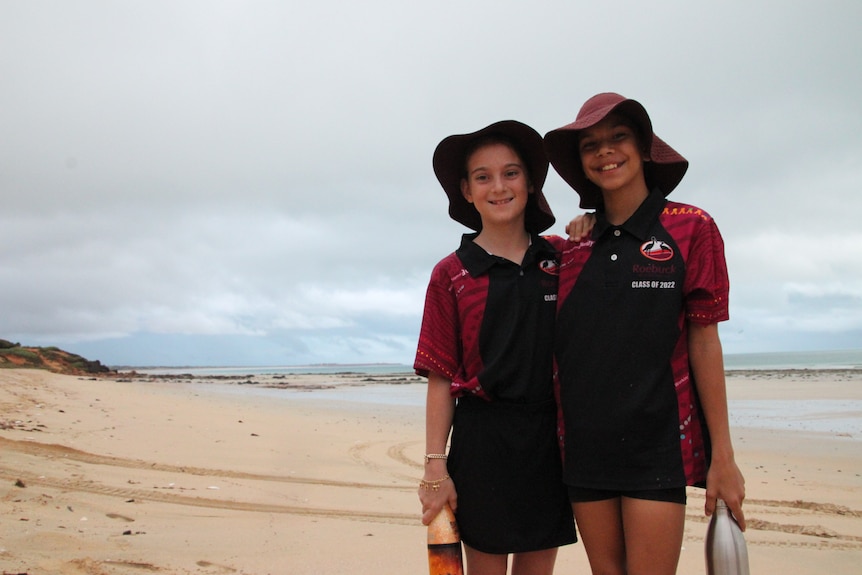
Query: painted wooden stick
[444,545]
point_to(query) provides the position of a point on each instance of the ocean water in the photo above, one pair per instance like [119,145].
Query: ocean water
[327,369]
[839,417]
[830,359]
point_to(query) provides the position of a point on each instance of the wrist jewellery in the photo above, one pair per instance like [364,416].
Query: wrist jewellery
[430,456]
[433,485]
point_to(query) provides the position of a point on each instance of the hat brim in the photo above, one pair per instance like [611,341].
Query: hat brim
[664,170]
[450,158]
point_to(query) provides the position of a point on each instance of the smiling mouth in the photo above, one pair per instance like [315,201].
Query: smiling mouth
[500,202]
[609,167]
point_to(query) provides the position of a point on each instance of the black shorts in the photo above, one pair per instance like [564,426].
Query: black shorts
[585,494]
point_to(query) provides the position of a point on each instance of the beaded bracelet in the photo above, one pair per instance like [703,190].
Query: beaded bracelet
[430,456]
[433,485]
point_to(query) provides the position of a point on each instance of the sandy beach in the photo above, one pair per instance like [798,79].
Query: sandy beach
[135,475]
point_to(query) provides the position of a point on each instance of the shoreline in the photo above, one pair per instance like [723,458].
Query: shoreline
[836,410]
[290,379]
[122,477]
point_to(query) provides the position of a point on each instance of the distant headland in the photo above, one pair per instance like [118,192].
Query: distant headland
[14,355]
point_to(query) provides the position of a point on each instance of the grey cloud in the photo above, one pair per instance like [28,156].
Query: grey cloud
[251,182]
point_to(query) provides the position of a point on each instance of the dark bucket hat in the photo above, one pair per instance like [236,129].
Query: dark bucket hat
[450,159]
[664,170]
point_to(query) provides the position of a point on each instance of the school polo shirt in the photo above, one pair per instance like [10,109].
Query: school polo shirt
[631,416]
[489,323]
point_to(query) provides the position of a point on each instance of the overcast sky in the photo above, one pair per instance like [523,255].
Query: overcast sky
[250,183]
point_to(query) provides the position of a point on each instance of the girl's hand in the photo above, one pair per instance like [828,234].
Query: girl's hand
[724,481]
[433,500]
[580,227]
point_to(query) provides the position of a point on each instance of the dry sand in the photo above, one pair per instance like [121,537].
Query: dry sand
[100,476]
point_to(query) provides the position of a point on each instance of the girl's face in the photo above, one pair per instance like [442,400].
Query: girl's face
[497,184]
[611,155]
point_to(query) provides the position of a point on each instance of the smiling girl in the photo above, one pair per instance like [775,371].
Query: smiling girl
[640,369]
[486,348]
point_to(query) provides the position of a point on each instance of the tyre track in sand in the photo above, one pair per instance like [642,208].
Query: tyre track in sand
[56,451]
[809,535]
[806,532]
[61,452]
[394,452]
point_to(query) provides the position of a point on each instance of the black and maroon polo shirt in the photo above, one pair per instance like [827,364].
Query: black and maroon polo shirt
[489,323]
[631,416]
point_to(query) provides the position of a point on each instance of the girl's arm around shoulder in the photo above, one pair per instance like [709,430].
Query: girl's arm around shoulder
[724,479]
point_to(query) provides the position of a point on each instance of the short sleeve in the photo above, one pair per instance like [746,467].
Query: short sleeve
[707,285]
[438,348]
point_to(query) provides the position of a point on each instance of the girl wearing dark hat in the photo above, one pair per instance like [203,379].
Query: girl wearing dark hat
[486,348]
[640,368]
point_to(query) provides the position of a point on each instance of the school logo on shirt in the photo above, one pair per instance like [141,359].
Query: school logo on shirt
[657,250]
[550,267]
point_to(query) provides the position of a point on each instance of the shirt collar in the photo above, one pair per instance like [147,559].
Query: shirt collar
[640,222]
[477,261]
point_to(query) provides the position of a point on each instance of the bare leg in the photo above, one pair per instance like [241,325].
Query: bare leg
[479,563]
[653,535]
[600,524]
[534,562]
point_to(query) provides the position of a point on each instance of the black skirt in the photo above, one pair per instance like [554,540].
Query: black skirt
[505,463]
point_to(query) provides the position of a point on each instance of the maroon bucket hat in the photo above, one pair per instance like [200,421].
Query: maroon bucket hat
[665,167]
[450,167]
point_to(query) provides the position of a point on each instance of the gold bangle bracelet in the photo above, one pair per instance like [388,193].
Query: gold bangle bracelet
[433,485]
